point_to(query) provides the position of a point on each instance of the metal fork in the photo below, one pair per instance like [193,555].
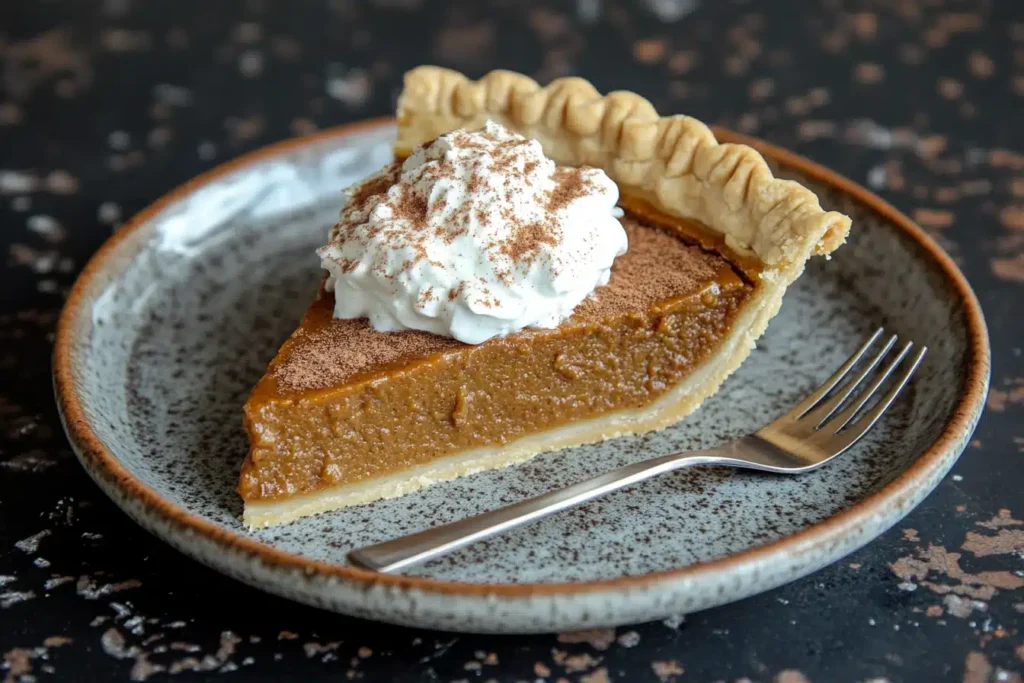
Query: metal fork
[816,430]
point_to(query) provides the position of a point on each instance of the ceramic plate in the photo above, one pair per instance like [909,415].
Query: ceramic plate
[176,317]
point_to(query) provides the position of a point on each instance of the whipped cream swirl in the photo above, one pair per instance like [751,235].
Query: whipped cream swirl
[476,235]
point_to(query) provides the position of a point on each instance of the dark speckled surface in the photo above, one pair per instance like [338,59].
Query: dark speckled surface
[106,105]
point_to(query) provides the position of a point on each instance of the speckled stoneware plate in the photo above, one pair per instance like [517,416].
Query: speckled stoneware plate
[178,314]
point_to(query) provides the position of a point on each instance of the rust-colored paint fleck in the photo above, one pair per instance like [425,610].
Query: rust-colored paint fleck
[1005,541]
[814,130]
[598,638]
[998,398]
[597,676]
[977,668]
[1003,518]
[1005,158]
[761,89]
[944,566]
[981,65]
[577,663]
[667,670]
[682,62]
[934,218]
[650,50]
[1012,217]
[865,25]
[950,88]
[931,146]
[869,73]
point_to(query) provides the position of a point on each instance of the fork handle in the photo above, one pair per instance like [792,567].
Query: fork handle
[440,540]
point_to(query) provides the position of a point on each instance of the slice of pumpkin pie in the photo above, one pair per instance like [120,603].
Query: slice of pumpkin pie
[541,267]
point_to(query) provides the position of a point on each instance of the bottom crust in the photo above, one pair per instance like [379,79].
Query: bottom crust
[669,409]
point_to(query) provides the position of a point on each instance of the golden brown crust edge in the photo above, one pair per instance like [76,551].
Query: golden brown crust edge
[674,161]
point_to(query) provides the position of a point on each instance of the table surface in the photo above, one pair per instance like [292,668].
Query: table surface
[104,106]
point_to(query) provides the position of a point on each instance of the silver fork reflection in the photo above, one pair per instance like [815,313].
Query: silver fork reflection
[817,429]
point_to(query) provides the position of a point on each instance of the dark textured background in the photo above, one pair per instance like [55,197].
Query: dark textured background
[106,105]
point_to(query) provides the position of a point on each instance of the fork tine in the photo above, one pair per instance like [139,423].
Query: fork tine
[805,405]
[859,428]
[846,415]
[822,412]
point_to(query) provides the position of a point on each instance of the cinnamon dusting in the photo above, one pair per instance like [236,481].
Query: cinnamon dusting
[453,294]
[570,184]
[411,207]
[375,186]
[526,241]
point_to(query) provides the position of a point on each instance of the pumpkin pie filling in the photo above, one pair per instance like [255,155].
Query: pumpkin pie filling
[409,398]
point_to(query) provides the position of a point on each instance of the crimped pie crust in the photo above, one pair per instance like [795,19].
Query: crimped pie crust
[672,161]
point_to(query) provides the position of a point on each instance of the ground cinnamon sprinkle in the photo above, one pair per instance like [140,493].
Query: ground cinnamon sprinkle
[462,138]
[474,185]
[527,239]
[341,348]
[658,265]
[375,186]
[411,207]
[570,184]
[453,294]
[481,216]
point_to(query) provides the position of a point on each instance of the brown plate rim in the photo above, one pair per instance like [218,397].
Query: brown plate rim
[103,463]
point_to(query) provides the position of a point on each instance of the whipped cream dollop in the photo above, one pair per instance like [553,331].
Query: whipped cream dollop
[475,235]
